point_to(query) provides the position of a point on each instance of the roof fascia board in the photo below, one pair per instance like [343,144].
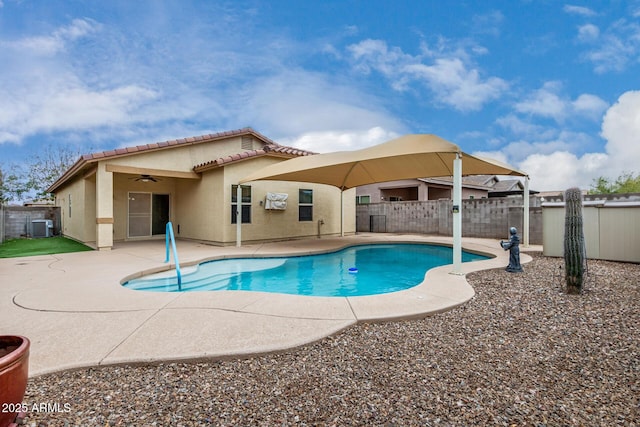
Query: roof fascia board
[146,171]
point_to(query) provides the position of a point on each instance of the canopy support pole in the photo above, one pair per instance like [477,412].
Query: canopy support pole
[525,221]
[341,213]
[239,216]
[457,215]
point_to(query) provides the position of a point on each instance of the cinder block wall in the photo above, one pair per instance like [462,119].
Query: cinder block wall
[486,218]
[17,219]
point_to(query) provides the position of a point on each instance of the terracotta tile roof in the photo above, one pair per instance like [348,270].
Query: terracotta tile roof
[171,143]
[87,159]
[279,150]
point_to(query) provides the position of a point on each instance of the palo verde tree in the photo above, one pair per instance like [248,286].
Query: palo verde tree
[574,247]
[625,183]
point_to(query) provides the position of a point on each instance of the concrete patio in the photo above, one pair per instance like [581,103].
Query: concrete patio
[76,313]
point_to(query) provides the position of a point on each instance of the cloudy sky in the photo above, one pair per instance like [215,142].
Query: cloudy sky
[552,88]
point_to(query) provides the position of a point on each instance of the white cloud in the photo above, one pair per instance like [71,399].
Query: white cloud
[544,102]
[448,73]
[375,55]
[552,167]
[56,41]
[495,155]
[520,127]
[588,33]
[561,170]
[46,100]
[488,23]
[621,129]
[549,102]
[614,49]
[297,102]
[330,141]
[456,85]
[78,108]
[578,10]
[589,105]
[126,84]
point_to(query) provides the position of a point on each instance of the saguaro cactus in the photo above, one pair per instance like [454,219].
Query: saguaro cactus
[574,249]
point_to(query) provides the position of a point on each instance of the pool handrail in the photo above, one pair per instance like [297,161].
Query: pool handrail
[170,237]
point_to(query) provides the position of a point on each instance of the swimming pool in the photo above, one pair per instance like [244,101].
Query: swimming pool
[353,271]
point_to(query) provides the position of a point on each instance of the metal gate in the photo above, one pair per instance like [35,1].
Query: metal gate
[378,223]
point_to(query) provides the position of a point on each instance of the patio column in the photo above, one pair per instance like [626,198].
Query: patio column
[525,220]
[457,215]
[239,216]
[104,208]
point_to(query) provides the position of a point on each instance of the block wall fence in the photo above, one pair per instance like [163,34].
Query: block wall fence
[485,218]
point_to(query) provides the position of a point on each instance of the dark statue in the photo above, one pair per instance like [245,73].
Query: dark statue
[513,245]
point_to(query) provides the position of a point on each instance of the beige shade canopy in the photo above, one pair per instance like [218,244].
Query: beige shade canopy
[407,157]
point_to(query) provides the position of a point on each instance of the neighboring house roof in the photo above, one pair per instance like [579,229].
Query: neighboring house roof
[490,183]
[467,181]
[87,162]
[508,185]
[484,180]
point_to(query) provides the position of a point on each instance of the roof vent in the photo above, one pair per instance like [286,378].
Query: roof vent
[247,143]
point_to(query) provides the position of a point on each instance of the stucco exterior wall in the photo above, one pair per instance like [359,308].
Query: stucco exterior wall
[199,207]
[78,222]
[182,158]
[274,225]
[123,186]
[199,204]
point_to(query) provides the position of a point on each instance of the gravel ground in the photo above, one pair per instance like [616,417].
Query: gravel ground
[522,352]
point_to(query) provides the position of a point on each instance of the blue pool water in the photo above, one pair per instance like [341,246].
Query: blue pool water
[353,271]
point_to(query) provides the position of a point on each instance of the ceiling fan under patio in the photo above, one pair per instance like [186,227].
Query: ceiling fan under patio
[146,178]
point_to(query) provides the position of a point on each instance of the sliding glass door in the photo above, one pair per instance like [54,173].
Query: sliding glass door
[148,214]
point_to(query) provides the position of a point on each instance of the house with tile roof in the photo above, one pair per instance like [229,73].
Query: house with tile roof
[131,193]
[422,189]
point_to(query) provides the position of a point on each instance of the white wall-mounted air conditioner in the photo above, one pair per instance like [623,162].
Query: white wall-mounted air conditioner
[276,201]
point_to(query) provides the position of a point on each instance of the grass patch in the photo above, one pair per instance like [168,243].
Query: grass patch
[45,246]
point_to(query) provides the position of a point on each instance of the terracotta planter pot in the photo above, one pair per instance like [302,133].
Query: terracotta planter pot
[14,371]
